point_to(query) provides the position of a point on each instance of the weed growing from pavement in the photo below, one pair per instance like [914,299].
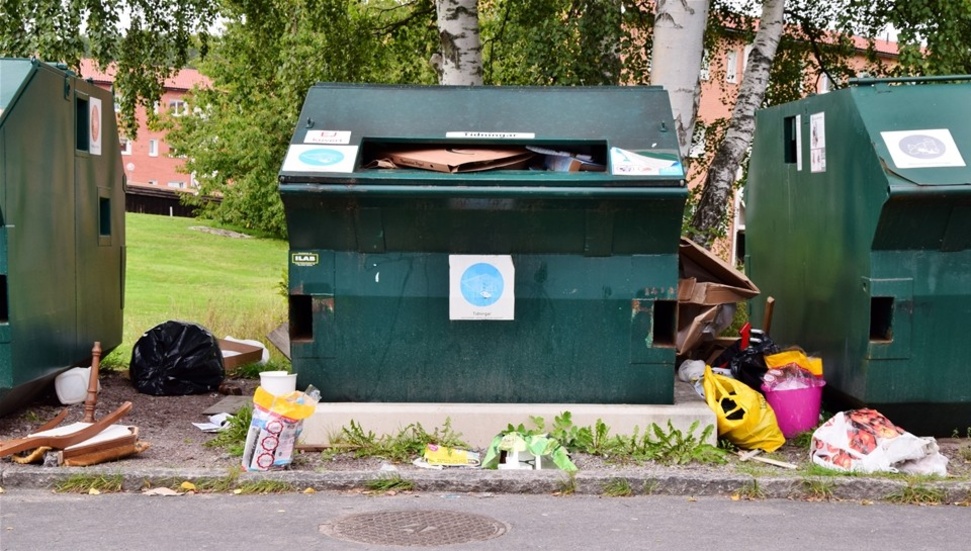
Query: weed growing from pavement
[816,489]
[618,487]
[751,490]
[233,438]
[223,484]
[409,443]
[918,494]
[264,487]
[86,483]
[568,486]
[390,483]
[671,446]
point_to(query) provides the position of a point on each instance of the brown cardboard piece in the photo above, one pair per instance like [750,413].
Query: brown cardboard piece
[461,159]
[706,284]
[236,354]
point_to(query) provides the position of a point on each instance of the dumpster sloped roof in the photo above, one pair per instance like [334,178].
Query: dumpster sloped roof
[919,131]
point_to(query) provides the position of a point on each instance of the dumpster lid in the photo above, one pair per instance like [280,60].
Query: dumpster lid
[342,127]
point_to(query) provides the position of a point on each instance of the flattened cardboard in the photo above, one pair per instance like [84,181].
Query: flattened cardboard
[236,354]
[708,280]
[706,283]
[461,159]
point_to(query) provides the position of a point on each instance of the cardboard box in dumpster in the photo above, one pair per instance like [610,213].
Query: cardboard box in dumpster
[461,159]
[705,284]
[236,354]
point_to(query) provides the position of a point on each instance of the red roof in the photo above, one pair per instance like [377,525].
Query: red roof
[183,80]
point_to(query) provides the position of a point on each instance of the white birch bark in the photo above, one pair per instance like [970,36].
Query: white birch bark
[460,59]
[679,31]
[709,218]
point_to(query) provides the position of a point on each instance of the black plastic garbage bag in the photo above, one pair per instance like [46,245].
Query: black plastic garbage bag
[748,364]
[176,358]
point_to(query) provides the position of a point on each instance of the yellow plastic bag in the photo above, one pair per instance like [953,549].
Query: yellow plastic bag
[795,356]
[744,417]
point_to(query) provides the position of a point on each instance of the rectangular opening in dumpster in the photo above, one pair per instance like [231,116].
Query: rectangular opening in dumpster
[791,146]
[665,322]
[881,319]
[594,154]
[301,318]
[4,315]
[104,216]
[81,124]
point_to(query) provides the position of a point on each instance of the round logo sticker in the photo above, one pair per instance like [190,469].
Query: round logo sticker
[481,284]
[922,146]
[321,156]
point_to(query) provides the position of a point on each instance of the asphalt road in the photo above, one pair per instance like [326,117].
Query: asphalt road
[38,519]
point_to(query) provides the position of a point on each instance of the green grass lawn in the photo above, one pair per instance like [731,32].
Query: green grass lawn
[230,286]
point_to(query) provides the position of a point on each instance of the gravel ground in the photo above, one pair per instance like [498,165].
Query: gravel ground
[165,422]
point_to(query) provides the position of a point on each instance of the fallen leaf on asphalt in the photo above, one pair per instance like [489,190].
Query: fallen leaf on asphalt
[736,497]
[310,491]
[692,499]
[188,486]
[94,492]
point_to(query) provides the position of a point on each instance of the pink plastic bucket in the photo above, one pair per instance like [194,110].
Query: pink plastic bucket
[796,410]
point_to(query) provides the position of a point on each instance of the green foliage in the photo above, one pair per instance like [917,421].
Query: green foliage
[390,483]
[85,483]
[670,446]
[918,494]
[261,68]
[618,487]
[751,490]
[409,443]
[817,490]
[160,37]
[233,438]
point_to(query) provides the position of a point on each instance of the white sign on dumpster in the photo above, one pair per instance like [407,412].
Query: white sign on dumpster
[929,148]
[481,287]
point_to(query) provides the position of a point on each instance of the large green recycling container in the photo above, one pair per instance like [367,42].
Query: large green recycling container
[859,224]
[506,285]
[62,237]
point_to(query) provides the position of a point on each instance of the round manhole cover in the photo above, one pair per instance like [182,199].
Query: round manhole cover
[414,528]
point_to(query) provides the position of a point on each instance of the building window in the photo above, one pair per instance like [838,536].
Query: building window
[125,144]
[731,66]
[177,108]
[705,67]
[177,185]
[155,107]
[153,148]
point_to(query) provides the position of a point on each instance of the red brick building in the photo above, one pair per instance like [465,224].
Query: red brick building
[148,159]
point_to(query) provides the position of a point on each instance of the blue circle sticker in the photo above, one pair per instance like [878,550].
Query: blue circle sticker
[321,156]
[922,146]
[481,284]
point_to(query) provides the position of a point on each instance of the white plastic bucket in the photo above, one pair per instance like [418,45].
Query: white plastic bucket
[278,382]
[72,385]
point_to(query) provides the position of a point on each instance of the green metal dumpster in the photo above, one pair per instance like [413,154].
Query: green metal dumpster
[859,224]
[505,285]
[62,237]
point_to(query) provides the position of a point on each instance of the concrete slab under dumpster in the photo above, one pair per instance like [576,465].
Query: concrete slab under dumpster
[504,285]
[859,224]
[62,237]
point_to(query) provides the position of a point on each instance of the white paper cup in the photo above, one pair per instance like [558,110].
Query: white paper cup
[278,382]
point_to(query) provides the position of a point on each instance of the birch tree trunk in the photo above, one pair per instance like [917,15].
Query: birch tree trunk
[679,32]
[460,60]
[708,220]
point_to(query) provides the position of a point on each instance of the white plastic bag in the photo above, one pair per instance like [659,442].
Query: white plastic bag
[863,440]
